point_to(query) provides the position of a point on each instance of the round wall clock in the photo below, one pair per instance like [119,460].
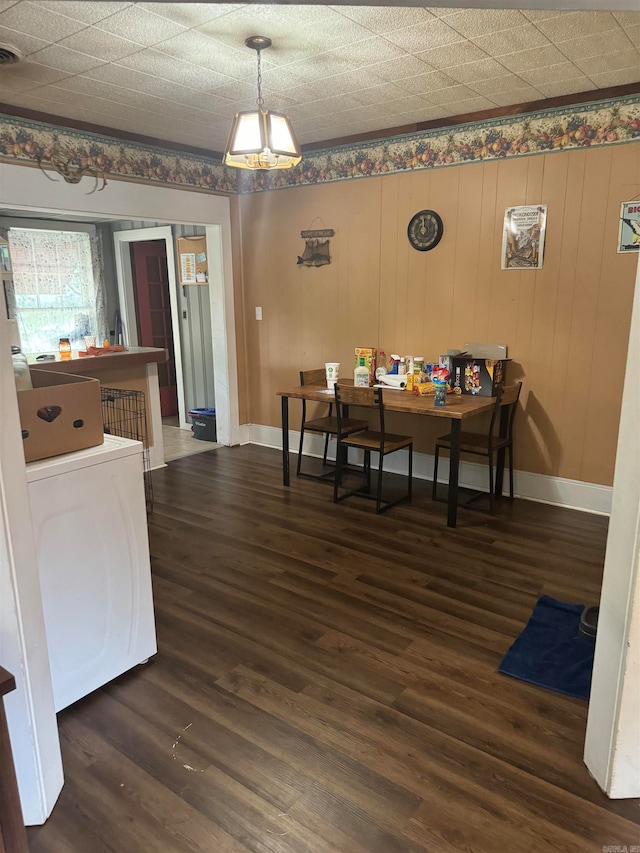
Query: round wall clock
[425,230]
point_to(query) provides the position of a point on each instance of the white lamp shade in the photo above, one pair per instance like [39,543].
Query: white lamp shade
[262,139]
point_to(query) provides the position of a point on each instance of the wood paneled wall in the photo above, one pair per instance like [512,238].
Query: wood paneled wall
[566,325]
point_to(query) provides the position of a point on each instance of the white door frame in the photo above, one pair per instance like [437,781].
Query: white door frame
[124,275]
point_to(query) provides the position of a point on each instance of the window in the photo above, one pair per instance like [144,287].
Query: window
[54,288]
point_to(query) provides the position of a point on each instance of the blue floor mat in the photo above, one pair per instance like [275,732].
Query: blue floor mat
[551,652]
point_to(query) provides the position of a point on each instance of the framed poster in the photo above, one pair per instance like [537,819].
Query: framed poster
[523,237]
[629,231]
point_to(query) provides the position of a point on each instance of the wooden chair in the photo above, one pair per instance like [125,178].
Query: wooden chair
[327,426]
[488,444]
[377,440]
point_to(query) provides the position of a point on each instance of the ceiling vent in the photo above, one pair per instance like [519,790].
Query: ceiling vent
[9,55]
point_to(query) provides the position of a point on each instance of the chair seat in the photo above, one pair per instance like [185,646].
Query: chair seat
[471,442]
[330,425]
[370,440]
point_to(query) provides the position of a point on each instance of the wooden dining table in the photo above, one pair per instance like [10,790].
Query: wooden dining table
[457,409]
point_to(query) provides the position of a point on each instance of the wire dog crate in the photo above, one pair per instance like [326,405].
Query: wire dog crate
[124,414]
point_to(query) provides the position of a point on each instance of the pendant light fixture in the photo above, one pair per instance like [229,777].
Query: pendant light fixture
[261,139]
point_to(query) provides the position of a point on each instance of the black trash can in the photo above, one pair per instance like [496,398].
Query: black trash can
[203,424]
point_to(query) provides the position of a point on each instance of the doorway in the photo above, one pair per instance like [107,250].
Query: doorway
[129,299]
[153,314]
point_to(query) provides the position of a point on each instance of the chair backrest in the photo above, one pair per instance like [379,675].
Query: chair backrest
[349,395]
[313,377]
[505,406]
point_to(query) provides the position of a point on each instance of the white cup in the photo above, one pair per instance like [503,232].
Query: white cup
[332,370]
[89,341]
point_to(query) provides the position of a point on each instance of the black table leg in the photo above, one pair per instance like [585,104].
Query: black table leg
[454,466]
[285,441]
[500,460]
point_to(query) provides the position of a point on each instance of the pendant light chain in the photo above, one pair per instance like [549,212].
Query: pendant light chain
[260,100]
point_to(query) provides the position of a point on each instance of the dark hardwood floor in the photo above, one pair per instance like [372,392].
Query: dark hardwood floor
[326,681]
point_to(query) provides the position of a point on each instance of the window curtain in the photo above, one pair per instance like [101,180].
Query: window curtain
[97,260]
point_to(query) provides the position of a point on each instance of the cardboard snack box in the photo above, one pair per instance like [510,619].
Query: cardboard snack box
[481,377]
[61,414]
[369,354]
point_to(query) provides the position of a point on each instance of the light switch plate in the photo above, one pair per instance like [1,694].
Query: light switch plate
[258,313]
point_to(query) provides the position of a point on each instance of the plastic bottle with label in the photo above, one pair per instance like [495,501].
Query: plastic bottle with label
[361,375]
[402,367]
[381,369]
[21,371]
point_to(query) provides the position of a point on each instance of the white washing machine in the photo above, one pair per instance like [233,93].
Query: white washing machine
[90,528]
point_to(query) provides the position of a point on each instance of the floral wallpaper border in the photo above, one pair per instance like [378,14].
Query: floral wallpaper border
[28,142]
[608,122]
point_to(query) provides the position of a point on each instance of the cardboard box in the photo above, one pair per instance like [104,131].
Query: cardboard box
[481,377]
[495,351]
[369,354]
[61,414]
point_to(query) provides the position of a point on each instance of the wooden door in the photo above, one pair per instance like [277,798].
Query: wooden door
[153,313]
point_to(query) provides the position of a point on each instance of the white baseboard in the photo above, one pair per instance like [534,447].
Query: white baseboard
[573,494]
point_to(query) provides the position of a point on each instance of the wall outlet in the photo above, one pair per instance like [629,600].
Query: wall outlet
[258,313]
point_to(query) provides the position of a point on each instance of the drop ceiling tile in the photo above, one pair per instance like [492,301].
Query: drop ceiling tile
[42,74]
[615,78]
[608,42]
[37,21]
[627,19]
[101,44]
[433,113]
[24,43]
[80,10]
[367,52]
[572,25]
[450,94]
[338,104]
[316,68]
[537,57]
[414,104]
[536,15]
[471,105]
[471,72]
[236,91]
[398,69]
[145,84]
[83,85]
[335,31]
[521,95]
[65,59]
[510,41]
[198,48]
[472,23]
[452,55]
[191,14]
[140,26]
[551,73]
[427,34]
[380,94]
[16,86]
[565,87]
[498,85]
[633,34]
[611,62]
[151,61]
[381,19]
[423,84]
[4,4]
